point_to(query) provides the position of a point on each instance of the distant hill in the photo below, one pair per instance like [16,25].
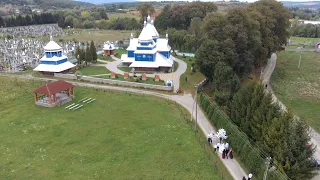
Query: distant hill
[46,3]
[310,4]
[105,1]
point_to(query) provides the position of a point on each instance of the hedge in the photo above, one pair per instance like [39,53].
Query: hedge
[248,154]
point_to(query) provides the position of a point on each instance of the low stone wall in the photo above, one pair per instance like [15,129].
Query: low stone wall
[115,82]
[65,76]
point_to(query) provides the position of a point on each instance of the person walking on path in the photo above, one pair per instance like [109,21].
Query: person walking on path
[250,176]
[230,154]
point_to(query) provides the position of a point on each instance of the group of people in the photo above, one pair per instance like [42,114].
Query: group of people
[249,177]
[220,147]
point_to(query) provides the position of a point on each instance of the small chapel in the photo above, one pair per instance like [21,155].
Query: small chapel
[53,60]
[148,52]
[108,49]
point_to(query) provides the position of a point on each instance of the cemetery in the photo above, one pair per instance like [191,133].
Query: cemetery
[106,132]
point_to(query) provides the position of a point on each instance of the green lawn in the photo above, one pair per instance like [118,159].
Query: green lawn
[148,81]
[93,70]
[99,36]
[119,52]
[125,69]
[304,47]
[105,58]
[193,77]
[119,136]
[299,89]
[295,39]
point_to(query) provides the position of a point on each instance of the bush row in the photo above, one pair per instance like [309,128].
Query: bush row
[248,154]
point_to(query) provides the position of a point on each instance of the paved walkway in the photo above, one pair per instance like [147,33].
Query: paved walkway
[315,137]
[186,101]
[174,76]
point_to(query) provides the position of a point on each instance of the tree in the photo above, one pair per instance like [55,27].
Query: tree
[145,10]
[273,18]
[207,56]
[103,14]
[162,22]
[78,55]
[93,51]
[195,26]
[88,55]
[85,14]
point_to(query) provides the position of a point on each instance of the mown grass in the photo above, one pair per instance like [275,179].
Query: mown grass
[105,58]
[93,70]
[119,52]
[295,39]
[190,79]
[131,79]
[119,136]
[299,88]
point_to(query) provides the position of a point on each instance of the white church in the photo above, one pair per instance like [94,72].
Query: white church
[53,60]
[148,52]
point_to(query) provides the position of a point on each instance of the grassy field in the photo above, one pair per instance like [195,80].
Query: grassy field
[98,36]
[295,39]
[130,79]
[123,15]
[105,58]
[193,78]
[304,47]
[94,70]
[299,89]
[119,136]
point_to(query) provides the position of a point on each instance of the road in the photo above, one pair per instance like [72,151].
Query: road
[315,137]
[185,100]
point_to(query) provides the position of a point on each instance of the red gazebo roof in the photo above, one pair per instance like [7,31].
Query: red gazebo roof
[54,87]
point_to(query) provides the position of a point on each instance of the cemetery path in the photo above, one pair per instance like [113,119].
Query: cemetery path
[315,137]
[174,76]
[185,100]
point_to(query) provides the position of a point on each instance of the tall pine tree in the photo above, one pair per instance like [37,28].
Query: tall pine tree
[93,52]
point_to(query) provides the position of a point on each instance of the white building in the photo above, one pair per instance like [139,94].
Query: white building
[148,52]
[53,60]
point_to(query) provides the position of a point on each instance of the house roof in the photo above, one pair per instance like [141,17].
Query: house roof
[52,46]
[54,68]
[53,88]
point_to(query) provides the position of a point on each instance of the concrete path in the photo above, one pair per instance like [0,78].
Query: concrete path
[315,137]
[186,101]
[174,76]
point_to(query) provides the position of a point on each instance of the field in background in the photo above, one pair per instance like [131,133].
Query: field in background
[299,88]
[119,136]
[295,39]
[99,36]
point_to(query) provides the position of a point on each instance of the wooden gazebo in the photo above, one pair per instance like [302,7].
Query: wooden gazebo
[53,94]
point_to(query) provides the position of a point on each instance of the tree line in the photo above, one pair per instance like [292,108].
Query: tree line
[305,30]
[86,55]
[284,138]
[233,45]
[34,19]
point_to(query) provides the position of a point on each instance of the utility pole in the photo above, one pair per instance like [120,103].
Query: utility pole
[267,168]
[300,48]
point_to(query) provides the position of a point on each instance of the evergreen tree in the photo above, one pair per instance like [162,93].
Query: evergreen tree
[88,55]
[78,55]
[93,52]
